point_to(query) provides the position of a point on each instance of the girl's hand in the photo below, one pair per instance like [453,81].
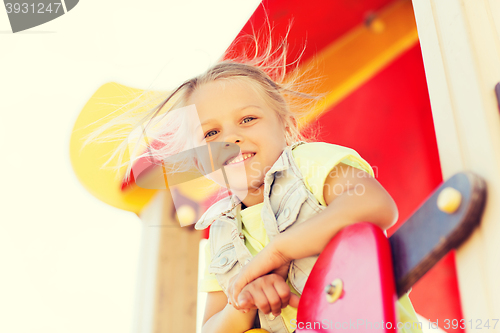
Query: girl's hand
[269,293]
[265,261]
[282,271]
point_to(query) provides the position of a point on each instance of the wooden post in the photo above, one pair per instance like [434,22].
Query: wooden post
[461,50]
[148,265]
[168,277]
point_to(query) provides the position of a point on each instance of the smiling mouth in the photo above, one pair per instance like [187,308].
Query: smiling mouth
[239,158]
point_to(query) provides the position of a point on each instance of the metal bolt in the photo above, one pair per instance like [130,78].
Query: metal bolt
[334,290]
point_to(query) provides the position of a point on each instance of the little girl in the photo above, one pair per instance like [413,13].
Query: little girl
[289,202]
[297,197]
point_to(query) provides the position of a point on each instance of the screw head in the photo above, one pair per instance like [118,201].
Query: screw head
[334,290]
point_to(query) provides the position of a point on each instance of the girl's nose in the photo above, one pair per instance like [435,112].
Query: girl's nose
[233,138]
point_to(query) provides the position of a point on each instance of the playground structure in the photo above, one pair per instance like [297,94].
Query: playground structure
[375,85]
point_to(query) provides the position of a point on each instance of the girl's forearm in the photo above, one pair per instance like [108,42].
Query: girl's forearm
[230,320]
[311,237]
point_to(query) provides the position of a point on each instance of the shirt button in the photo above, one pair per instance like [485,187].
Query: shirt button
[286,213]
[223,261]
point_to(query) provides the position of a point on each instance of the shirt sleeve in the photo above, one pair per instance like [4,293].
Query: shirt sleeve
[209,282]
[316,160]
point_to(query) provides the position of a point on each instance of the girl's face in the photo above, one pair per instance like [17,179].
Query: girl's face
[233,112]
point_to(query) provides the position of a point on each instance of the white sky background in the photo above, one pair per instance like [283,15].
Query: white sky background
[68,261]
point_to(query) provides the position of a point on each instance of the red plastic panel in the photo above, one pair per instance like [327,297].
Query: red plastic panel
[360,256]
[316,23]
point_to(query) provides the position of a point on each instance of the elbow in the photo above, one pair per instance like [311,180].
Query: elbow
[364,199]
[386,212]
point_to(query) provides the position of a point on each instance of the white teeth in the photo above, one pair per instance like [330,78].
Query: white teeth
[240,158]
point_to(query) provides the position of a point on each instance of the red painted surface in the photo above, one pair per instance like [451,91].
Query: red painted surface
[360,256]
[388,121]
[319,22]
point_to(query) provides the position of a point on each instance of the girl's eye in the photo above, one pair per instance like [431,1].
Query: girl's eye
[247,119]
[210,133]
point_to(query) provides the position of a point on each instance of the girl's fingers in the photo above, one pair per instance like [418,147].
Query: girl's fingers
[294,301]
[286,295]
[283,291]
[260,300]
[264,262]
[273,299]
[234,289]
[245,300]
[232,296]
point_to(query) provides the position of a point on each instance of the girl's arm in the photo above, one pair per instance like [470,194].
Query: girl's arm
[220,317]
[352,196]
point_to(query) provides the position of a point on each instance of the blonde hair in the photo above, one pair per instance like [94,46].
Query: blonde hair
[159,133]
